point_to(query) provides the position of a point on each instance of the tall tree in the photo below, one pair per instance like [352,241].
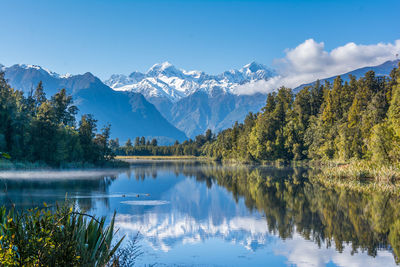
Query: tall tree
[39,95]
[87,130]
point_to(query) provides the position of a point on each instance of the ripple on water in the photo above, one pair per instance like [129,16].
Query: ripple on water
[145,202]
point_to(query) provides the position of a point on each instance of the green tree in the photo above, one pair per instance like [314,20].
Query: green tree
[142,141]
[87,131]
[39,95]
[154,142]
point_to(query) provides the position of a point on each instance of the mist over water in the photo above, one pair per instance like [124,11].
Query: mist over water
[63,174]
[191,213]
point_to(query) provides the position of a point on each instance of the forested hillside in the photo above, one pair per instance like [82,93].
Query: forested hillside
[355,119]
[37,129]
[343,120]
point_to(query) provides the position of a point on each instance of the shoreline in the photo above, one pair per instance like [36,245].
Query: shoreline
[19,165]
[360,175]
[162,158]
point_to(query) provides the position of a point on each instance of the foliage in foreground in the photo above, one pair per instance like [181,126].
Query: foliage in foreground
[55,237]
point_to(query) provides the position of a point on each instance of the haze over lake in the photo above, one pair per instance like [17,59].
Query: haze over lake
[206,214]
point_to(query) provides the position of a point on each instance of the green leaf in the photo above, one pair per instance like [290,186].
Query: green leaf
[5,155]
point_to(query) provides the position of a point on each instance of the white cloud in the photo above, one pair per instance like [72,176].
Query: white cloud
[310,61]
[304,253]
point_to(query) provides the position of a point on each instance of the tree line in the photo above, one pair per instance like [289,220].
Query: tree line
[36,129]
[359,118]
[141,147]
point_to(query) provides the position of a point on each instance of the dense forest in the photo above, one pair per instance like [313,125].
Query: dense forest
[36,129]
[353,119]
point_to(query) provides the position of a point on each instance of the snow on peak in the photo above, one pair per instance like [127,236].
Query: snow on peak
[254,66]
[66,75]
[257,71]
[165,80]
[38,68]
[161,66]
[165,69]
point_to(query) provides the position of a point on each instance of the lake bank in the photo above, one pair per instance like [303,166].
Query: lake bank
[162,158]
[363,176]
[26,165]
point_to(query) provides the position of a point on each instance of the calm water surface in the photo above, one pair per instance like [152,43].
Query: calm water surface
[204,214]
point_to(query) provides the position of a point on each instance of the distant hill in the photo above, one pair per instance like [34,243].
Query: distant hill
[380,70]
[130,116]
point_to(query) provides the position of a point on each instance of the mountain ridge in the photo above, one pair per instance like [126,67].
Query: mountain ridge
[130,116]
[383,69]
[165,80]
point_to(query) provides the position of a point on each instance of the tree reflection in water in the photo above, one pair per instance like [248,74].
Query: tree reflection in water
[292,203]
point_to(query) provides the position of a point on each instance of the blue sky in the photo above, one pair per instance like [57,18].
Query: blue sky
[121,36]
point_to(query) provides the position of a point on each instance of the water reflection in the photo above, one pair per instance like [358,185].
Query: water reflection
[205,213]
[32,188]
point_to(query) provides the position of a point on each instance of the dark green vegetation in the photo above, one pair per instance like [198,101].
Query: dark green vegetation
[55,237]
[37,129]
[358,119]
[141,147]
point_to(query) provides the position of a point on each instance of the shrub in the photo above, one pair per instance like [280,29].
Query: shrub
[58,236]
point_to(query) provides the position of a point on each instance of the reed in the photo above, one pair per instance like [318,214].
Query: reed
[57,236]
[360,176]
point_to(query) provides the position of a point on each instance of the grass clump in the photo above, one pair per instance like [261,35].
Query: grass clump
[58,236]
[360,176]
[357,170]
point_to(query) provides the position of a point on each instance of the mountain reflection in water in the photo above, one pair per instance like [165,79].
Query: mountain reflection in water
[192,213]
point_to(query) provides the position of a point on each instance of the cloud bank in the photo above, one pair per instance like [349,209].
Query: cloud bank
[305,253]
[310,61]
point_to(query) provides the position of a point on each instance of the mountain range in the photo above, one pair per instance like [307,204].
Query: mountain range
[130,116]
[165,80]
[194,101]
[166,103]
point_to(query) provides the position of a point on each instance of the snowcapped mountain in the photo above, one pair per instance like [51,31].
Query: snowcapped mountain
[165,80]
[194,101]
[37,68]
[92,96]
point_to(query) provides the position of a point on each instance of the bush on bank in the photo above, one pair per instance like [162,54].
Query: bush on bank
[58,236]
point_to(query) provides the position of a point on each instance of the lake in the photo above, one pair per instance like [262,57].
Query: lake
[205,214]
